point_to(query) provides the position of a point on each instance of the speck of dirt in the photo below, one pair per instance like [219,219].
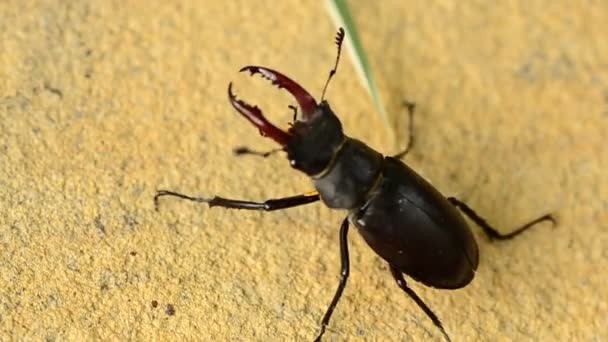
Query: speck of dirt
[170,311]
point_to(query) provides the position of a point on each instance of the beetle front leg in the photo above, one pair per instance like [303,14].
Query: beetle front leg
[268,205]
[345,271]
[242,150]
[491,232]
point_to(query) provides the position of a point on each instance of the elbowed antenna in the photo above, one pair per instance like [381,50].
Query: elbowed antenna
[339,40]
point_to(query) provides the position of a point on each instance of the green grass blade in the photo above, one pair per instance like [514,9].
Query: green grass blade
[341,16]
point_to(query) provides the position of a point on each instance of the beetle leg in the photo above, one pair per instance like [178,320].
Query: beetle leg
[343,277]
[410,106]
[491,232]
[268,205]
[241,150]
[255,116]
[304,99]
[397,274]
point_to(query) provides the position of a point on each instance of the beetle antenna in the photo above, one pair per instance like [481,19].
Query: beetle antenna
[339,40]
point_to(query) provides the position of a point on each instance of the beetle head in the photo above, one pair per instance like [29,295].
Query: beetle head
[314,141]
[310,142]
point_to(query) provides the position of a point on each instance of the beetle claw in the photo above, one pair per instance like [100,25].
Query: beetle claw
[307,103]
[256,117]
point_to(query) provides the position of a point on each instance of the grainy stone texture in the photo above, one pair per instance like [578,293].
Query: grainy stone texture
[102,103]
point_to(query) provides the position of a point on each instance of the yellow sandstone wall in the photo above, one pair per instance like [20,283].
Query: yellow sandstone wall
[103,102]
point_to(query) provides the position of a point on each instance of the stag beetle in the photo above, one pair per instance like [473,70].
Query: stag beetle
[401,216]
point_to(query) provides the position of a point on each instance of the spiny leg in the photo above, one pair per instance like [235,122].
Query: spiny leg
[403,285]
[491,232]
[269,205]
[411,107]
[345,270]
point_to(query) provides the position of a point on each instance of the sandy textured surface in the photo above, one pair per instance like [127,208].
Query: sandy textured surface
[102,103]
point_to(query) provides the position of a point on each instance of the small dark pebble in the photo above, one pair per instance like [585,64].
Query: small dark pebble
[154,304]
[170,310]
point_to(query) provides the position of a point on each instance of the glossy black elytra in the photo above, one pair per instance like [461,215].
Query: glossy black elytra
[402,217]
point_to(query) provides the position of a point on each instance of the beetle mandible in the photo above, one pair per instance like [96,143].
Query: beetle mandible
[401,216]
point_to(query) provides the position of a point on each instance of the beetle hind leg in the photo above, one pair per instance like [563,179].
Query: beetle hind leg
[398,275]
[491,232]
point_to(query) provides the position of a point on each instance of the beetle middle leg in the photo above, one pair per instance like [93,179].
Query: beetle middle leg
[344,272]
[398,275]
[491,232]
[268,205]
[411,107]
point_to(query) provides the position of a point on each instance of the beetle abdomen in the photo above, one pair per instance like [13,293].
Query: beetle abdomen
[413,227]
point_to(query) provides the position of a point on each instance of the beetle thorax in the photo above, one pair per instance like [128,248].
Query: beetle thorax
[347,181]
